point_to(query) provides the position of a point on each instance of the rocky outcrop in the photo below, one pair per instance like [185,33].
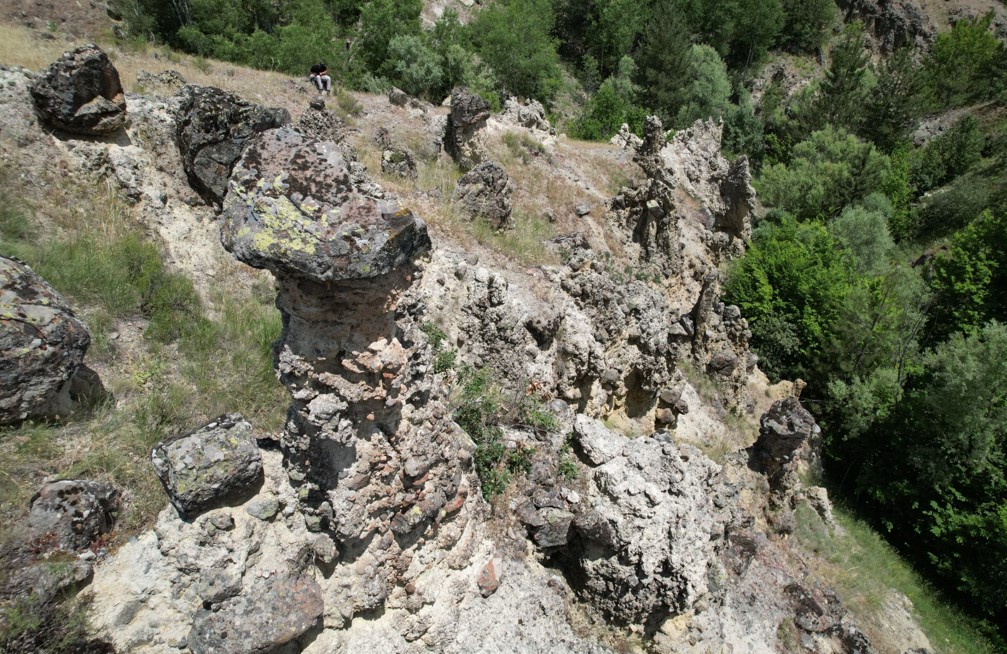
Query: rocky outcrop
[398,162]
[485,193]
[70,515]
[212,129]
[42,346]
[273,612]
[376,461]
[81,93]
[530,115]
[462,138]
[787,435]
[210,466]
[645,548]
[893,23]
[320,123]
[626,139]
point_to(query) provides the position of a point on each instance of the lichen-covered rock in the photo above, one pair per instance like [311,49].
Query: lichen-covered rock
[274,611]
[71,514]
[42,345]
[398,161]
[485,192]
[294,208]
[212,129]
[81,93]
[645,548]
[469,114]
[219,462]
[398,97]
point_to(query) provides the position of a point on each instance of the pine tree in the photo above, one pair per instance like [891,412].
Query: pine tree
[664,59]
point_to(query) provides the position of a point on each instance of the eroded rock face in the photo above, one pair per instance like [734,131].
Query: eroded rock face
[220,461]
[644,548]
[530,115]
[485,192]
[274,611]
[469,114]
[786,432]
[81,93]
[70,515]
[398,162]
[212,129]
[293,208]
[42,345]
[368,444]
[893,23]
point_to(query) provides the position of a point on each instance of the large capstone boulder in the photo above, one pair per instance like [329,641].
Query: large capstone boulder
[485,192]
[462,141]
[268,615]
[786,432]
[219,463]
[81,93]
[70,515]
[212,128]
[645,547]
[294,208]
[42,345]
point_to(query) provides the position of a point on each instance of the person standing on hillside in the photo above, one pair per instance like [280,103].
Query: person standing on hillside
[320,77]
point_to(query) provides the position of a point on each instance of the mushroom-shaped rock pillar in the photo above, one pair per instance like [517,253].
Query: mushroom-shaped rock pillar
[353,356]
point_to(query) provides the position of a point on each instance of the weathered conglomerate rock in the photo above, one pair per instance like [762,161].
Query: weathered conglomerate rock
[81,93]
[42,346]
[212,129]
[273,612]
[462,141]
[320,123]
[485,192]
[368,444]
[219,462]
[530,115]
[398,162]
[645,547]
[786,433]
[71,514]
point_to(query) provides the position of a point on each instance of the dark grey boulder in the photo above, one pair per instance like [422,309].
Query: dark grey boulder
[268,615]
[555,530]
[469,114]
[70,515]
[42,346]
[785,431]
[80,93]
[485,192]
[219,463]
[212,128]
[295,208]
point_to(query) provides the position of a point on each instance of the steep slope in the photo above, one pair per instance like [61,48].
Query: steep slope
[616,532]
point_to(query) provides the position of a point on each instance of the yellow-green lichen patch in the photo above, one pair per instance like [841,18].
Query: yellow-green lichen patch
[282,230]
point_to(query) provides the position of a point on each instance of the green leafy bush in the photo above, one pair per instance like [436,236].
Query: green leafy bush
[829,171]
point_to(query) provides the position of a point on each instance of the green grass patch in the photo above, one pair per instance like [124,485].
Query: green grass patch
[482,408]
[190,365]
[862,567]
